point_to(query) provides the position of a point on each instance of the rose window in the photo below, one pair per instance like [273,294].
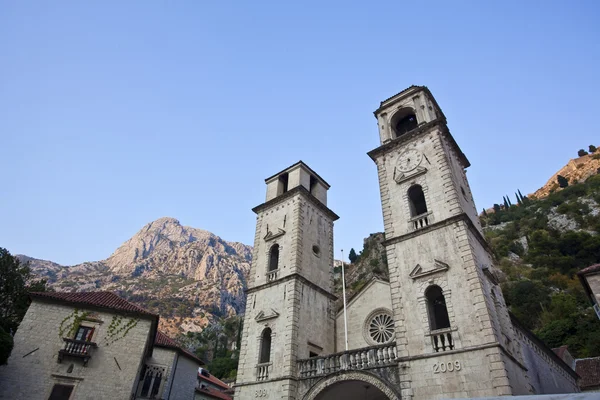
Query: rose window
[381,328]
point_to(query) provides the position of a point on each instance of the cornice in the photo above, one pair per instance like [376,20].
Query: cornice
[289,194]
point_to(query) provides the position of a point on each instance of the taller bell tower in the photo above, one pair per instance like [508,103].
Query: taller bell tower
[289,306]
[453,331]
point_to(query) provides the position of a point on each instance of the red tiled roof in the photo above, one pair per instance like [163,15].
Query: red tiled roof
[589,371]
[591,268]
[560,351]
[107,300]
[214,393]
[163,340]
[214,380]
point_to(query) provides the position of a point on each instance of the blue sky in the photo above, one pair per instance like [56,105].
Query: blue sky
[113,113]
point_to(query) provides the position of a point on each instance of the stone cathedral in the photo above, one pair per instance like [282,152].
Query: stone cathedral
[438,329]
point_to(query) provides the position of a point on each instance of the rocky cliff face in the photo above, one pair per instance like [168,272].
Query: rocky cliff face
[187,275]
[576,170]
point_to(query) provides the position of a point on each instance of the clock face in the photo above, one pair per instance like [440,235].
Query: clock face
[409,160]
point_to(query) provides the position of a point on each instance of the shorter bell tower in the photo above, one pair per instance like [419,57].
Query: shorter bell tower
[289,306]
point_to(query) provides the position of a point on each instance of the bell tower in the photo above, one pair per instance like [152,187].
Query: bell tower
[452,327]
[289,306]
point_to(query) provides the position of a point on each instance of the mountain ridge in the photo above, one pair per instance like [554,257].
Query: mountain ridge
[188,275]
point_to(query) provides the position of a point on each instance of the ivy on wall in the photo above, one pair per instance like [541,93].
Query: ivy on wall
[119,328]
[69,325]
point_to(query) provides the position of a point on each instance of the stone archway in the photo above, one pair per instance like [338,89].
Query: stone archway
[352,385]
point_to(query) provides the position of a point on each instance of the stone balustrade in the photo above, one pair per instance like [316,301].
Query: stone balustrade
[272,275]
[376,356]
[262,371]
[441,340]
[420,221]
[76,348]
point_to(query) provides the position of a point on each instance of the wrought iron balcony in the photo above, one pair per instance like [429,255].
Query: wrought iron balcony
[77,348]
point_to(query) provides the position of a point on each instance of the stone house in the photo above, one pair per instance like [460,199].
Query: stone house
[590,280]
[589,371]
[210,387]
[438,328]
[94,345]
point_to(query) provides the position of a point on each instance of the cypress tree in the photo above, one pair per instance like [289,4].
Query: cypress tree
[518,199]
[505,202]
[508,199]
[496,208]
[484,213]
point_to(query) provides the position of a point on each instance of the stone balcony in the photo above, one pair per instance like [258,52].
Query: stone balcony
[369,357]
[78,349]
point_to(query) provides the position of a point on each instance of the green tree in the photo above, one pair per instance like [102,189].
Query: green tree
[6,345]
[527,299]
[582,153]
[15,282]
[506,206]
[496,208]
[562,181]
[592,148]
[352,256]
[518,199]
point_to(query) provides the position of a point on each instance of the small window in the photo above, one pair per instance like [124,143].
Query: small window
[84,333]
[416,198]
[313,185]
[436,304]
[463,192]
[61,392]
[283,183]
[274,258]
[265,346]
[316,250]
[312,354]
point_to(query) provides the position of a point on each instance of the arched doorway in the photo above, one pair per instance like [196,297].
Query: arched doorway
[352,385]
[352,390]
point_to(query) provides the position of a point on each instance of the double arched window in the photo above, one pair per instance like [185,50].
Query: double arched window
[416,200]
[436,307]
[274,258]
[265,346]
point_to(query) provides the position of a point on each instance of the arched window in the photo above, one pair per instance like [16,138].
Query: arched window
[265,346]
[436,305]
[404,121]
[416,198]
[274,257]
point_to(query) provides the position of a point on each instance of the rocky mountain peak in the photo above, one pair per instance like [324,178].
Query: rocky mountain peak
[156,238]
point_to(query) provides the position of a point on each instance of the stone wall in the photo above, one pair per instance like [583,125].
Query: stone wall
[547,373]
[111,373]
[166,358]
[376,295]
[185,379]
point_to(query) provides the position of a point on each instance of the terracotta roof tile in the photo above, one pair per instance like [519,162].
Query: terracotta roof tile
[163,340]
[214,393]
[106,300]
[591,268]
[214,380]
[589,371]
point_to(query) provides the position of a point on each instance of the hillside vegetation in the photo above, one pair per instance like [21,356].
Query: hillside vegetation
[540,245]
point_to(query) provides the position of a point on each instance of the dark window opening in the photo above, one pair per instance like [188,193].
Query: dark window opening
[265,346]
[313,185]
[84,333]
[274,258]
[61,392]
[283,183]
[436,304]
[416,199]
[316,250]
[406,124]
[463,191]
[312,354]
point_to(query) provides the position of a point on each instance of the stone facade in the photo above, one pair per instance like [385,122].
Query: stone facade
[439,329]
[121,355]
[111,372]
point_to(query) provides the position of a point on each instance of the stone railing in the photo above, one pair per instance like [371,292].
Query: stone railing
[77,348]
[369,357]
[272,275]
[420,221]
[441,340]
[262,371]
